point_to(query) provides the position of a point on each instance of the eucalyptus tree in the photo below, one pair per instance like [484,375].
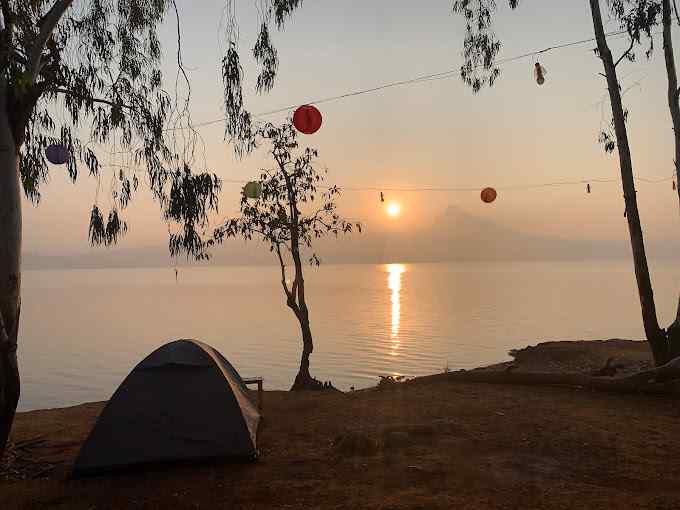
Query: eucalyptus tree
[480,50]
[83,75]
[291,210]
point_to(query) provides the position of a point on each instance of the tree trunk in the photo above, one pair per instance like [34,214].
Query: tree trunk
[671,73]
[304,380]
[673,332]
[10,273]
[655,335]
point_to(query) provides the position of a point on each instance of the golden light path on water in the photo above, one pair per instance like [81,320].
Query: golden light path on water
[394,284]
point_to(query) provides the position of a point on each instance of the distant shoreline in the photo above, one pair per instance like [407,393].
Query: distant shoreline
[29,266]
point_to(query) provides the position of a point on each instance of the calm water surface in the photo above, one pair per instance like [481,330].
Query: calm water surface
[84,330]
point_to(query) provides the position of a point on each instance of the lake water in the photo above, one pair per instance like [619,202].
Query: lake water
[82,331]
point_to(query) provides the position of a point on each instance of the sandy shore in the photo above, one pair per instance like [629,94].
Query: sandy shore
[432,443]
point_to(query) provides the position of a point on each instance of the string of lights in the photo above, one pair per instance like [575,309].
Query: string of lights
[450,189]
[418,79]
[520,187]
[432,77]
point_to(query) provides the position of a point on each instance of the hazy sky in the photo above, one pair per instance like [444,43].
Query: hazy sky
[435,133]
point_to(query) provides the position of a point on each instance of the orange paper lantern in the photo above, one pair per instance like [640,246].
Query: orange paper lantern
[488,195]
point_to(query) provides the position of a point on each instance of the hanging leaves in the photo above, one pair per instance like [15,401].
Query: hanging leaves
[101,68]
[105,233]
[265,54]
[480,45]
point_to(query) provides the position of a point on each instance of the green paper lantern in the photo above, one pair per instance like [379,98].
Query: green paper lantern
[252,190]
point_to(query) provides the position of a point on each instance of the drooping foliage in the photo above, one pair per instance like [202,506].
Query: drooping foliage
[240,129]
[480,45]
[96,83]
[86,74]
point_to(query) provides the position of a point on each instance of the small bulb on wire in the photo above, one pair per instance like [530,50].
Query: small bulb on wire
[588,188]
[539,73]
[382,197]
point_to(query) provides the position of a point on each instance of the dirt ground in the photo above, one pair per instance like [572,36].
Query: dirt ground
[430,443]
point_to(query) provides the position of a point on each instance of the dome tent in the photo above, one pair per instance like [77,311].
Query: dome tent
[183,402]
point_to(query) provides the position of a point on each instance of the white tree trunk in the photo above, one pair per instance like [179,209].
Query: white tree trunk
[10,272]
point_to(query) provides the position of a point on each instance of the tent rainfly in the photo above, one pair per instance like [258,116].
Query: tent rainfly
[183,402]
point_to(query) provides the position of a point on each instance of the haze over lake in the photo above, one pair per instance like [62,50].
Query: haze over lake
[84,330]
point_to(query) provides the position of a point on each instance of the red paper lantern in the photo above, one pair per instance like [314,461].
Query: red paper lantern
[307,119]
[57,154]
[488,195]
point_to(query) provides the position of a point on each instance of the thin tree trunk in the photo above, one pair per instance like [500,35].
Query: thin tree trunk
[673,92]
[655,335]
[10,273]
[304,379]
[673,332]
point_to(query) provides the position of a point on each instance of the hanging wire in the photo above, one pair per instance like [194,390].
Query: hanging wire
[418,79]
[519,187]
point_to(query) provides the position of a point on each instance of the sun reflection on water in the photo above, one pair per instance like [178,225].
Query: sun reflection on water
[394,284]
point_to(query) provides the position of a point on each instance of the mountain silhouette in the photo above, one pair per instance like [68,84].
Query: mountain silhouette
[455,235]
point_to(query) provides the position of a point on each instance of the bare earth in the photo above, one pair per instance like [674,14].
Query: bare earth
[430,443]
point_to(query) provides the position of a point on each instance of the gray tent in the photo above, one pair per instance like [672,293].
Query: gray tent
[182,402]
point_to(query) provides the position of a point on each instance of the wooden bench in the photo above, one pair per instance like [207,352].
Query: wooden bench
[260,392]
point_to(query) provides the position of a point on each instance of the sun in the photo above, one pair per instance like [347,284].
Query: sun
[393,209]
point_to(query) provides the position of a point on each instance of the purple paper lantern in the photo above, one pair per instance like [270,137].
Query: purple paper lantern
[57,154]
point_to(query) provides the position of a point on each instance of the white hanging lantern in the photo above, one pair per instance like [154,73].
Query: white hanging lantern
[57,154]
[539,73]
[252,189]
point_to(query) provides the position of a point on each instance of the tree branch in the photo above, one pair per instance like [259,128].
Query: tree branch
[630,48]
[283,272]
[47,25]
[675,8]
[93,99]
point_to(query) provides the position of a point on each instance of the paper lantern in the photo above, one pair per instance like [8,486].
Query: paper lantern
[307,119]
[57,154]
[539,73]
[488,195]
[252,189]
